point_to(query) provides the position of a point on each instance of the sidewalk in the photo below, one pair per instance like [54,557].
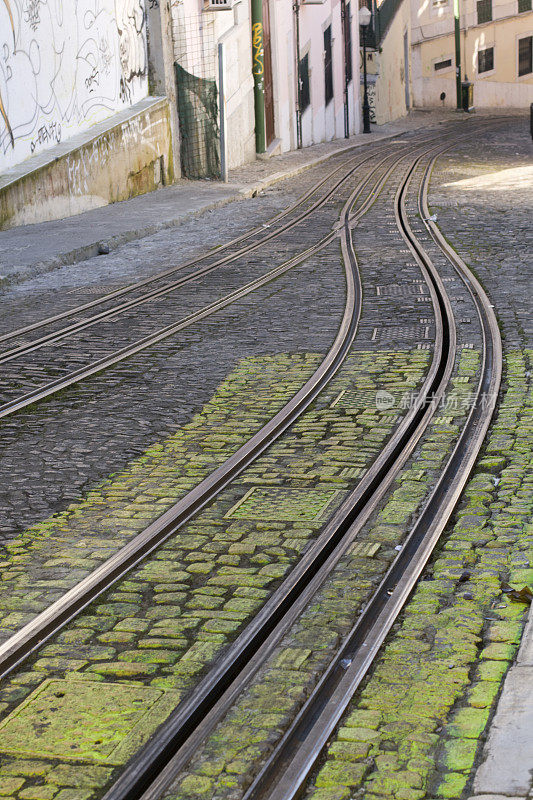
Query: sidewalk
[33,249]
[506,770]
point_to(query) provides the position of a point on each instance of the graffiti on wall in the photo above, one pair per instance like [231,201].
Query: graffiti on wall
[65,65]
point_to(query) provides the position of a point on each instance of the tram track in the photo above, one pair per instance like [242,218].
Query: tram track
[40,393]
[287,601]
[285,771]
[180,735]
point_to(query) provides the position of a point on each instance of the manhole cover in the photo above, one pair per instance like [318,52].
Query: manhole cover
[292,505]
[394,290]
[87,720]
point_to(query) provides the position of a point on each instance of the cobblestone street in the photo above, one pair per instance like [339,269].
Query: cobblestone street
[222,441]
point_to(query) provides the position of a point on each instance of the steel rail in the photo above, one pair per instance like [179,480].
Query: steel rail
[111,313]
[284,774]
[211,253]
[179,736]
[59,384]
[159,276]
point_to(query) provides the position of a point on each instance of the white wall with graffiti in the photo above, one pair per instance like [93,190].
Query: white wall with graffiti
[64,66]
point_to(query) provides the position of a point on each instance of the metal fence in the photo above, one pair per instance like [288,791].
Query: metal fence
[196,68]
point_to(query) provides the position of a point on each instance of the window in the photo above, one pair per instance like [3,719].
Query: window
[303,82]
[348,43]
[525,55]
[484,11]
[328,65]
[485,60]
[524,5]
[443,64]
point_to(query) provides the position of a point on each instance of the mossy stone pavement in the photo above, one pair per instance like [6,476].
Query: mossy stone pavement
[420,718]
[437,692]
[232,754]
[135,652]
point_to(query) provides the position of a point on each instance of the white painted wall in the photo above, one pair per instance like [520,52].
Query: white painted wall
[320,122]
[65,65]
[388,71]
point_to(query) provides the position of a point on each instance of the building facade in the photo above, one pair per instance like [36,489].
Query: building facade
[389,66]
[101,100]
[315,71]
[495,46]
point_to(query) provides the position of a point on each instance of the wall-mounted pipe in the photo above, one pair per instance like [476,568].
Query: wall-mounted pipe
[258,70]
[345,21]
[296,9]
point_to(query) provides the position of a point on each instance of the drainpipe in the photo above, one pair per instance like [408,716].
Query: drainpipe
[345,21]
[296,9]
[457,29]
[258,70]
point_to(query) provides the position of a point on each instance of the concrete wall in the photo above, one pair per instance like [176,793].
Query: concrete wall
[320,122]
[389,70]
[117,160]
[65,66]
[433,42]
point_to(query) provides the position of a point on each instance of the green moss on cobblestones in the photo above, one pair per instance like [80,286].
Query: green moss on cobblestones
[92,529]
[440,673]
[162,627]
[305,652]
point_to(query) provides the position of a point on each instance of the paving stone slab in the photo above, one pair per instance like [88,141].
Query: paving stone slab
[508,754]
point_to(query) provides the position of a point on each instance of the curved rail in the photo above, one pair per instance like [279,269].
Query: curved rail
[180,735]
[59,384]
[285,772]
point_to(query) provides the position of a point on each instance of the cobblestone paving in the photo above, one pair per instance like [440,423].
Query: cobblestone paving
[234,752]
[417,727]
[162,626]
[93,429]
[152,637]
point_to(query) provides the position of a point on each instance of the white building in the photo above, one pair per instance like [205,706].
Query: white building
[324,97]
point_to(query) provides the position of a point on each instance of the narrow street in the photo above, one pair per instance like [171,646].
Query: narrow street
[266,490]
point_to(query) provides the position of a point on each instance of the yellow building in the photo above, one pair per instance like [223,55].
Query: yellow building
[496,47]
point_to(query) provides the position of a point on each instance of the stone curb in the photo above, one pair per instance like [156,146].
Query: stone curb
[507,760]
